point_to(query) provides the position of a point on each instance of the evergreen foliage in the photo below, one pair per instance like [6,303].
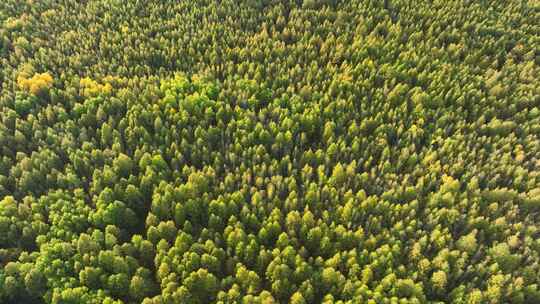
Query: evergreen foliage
[269,151]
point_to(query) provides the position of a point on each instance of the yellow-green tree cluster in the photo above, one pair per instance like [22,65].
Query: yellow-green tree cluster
[269,151]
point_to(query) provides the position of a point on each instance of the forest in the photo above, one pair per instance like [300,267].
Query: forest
[269,151]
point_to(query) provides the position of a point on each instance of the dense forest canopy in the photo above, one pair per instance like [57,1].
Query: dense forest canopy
[269,151]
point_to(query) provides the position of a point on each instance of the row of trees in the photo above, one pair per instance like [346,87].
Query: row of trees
[269,152]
